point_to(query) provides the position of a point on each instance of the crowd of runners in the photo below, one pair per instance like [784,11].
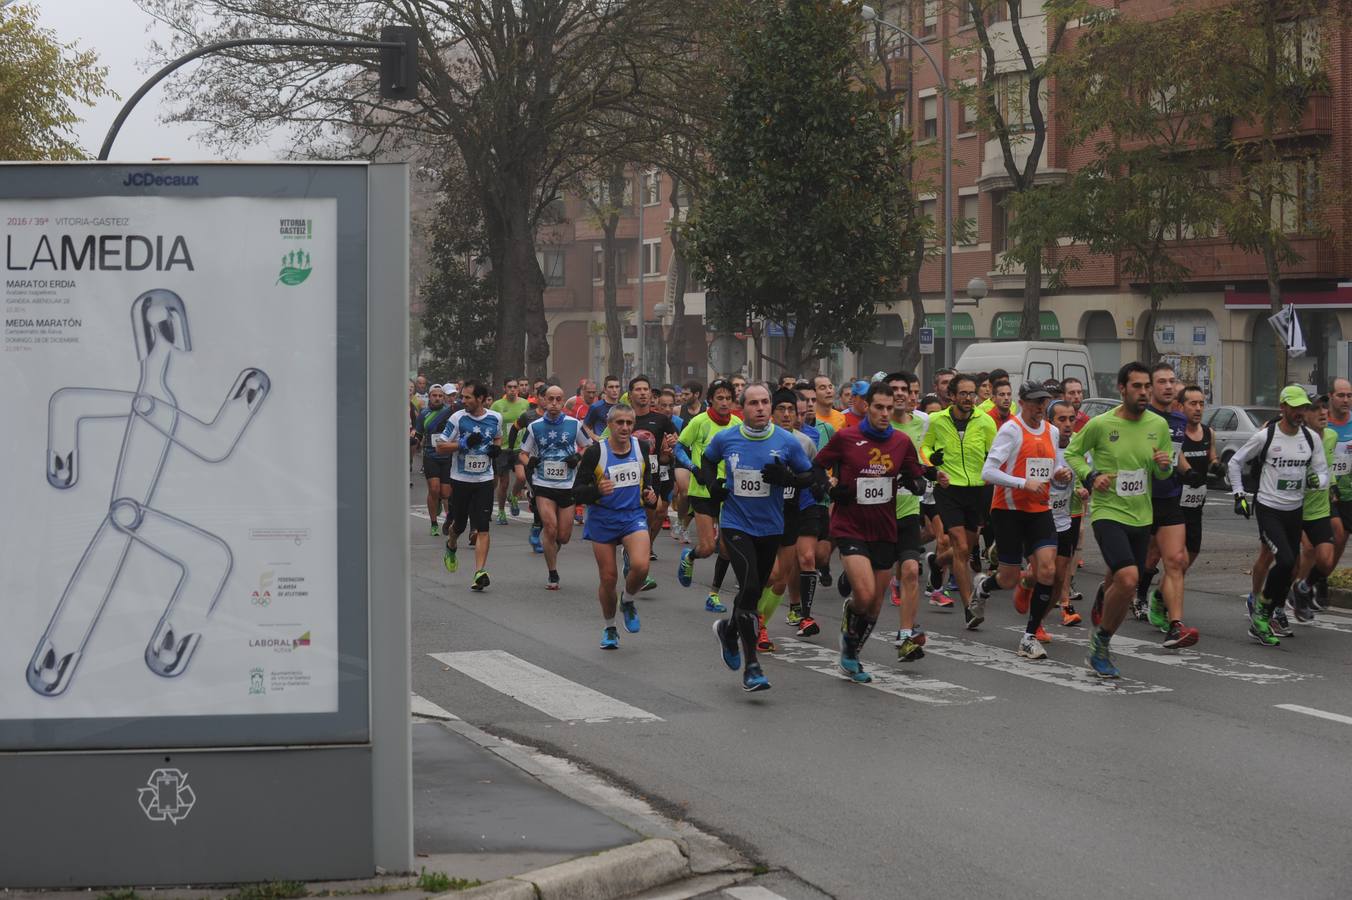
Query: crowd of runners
[943,496]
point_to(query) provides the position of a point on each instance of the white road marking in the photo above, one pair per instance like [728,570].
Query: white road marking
[422,708]
[751,892]
[1344,613]
[551,694]
[1342,627]
[1317,713]
[1047,671]
[1194,660]
[890,681]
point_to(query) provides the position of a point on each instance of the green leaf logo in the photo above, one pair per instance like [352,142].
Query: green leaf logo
[295,268]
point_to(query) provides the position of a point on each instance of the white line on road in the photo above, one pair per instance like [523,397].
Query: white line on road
[1194,660]
[1047,671]
[751,892]
[422,708]
[889,681]
[1317,713]
[1342,627]
[551,694]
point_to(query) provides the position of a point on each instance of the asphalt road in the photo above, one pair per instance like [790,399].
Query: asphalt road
[971,773]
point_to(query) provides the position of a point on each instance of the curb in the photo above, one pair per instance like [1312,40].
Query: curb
[612,874]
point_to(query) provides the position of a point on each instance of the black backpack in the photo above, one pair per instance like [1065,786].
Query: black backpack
[1253,472]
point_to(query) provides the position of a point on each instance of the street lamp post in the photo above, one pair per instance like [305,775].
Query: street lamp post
[869,14]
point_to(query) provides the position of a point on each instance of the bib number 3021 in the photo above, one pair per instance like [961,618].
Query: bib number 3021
[871,491]
[1132,483]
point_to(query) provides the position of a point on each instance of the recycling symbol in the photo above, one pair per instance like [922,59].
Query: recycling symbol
[167,796]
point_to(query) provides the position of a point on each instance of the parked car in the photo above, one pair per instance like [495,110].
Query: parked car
[1232,426]
[1029,360]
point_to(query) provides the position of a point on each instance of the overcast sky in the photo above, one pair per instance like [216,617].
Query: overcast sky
[117,30]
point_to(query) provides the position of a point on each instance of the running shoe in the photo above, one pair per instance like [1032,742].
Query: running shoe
[808,627]
[1320,599]
[909,649]
[917,634]
[978,610]
[610,638]
[630,613]
[553,583]
[685,535]
[685,569]
[535,543]
[1280,625]
[763,642]
[666,524]
[1140,608]
[652,557]
[825,576]
[649,584]
[502,517]
[753,679]
[981,590]
[732,655]
[514,506]
[1100,660]
[480,580]
[1096,611]
[1074,596]
[1260,629]
[843,585]
[794,615]
[1302,594]
[896,592]
[1042,635]
[713,604]
[436,532]
[449,561]
[1304,615]
[936,572]
[1031,648]
[1023,598]
[1180,635]
[940,600]
[1069,616]
[1158,612]
[850,664]
[577,519]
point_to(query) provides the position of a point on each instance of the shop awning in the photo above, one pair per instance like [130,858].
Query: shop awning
[1005,326]
[963,326]
[1338,298]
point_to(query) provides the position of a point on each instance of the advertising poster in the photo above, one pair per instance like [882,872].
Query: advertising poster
[168,546]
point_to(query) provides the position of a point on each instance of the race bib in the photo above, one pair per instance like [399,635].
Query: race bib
[474,465]
[1290,484]
[553,470]
[871,491]
[928,499]
[626,475]
[664,473]
[1061,503]
[1192,497]
[1178,448]
[1132,483]
[1038,468]
[749,483]
[1342,459]
[652,463]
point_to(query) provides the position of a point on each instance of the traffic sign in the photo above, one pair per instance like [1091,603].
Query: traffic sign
[926,340]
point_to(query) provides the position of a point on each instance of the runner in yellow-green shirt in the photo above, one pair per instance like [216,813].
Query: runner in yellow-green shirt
[695,436]
[511,406]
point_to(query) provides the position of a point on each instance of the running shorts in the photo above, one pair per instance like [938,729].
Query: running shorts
[1166,512]
[909,544]
[1068,540]
[610,526]
[1345,513]
[1192,518]
[1019,533]
[962,507]
[1319,531]
[929,511]
[502,463]
[562,498]
[440,469]
[706,506]
[1122,545]
[472,502]
[882,554]
[790,535]
[815,522]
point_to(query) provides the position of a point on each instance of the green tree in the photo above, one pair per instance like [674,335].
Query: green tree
[460,298]
[808,221]
[39,80]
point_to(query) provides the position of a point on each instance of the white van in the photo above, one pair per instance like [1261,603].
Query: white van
[1030,361]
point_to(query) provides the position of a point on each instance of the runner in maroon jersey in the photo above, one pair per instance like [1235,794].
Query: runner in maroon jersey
[870,460]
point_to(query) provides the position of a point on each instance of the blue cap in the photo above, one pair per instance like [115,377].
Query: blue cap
[859,387]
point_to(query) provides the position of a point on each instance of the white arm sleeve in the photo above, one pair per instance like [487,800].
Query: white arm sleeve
[1006,443]
[1236,468]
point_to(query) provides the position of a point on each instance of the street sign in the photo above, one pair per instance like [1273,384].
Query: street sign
[727,354]
[926,340]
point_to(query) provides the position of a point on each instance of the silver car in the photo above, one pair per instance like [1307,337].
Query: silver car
[1232,426]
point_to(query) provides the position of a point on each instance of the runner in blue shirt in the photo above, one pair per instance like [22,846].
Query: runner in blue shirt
[429,421]
[474,434]
[760,460]
[614,479]
[595,421]
[548,463]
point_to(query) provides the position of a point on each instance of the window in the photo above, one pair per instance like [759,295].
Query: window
[599,265]
[997,11]
[1001,220]
[969,211]
[931,18]
[967,121]
[652,188]
[1298,43]
[929,113]
[1187,231]
[1073,370]
[554,212]
[652,257]
[1224,421]
[1295,205]
[552,265]
[929,213]
[964,13]
[1040,371]
[1012,99]
[599,191]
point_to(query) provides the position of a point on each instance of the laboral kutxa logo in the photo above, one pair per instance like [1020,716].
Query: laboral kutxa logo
[281,645]
[295,268]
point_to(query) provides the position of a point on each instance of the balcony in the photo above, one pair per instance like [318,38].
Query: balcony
[1316,119]
[586,228]
[994,177]
[1218,259]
